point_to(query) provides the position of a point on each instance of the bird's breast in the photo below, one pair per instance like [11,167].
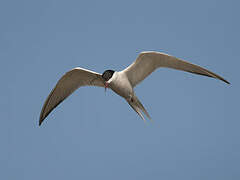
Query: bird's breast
[121,85]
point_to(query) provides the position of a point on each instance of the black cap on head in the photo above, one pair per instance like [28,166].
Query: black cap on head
[107,74]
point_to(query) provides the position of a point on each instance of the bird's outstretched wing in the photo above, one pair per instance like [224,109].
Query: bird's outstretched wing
[147,62]
[69,82]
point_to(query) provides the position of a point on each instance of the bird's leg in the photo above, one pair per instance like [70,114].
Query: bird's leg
[130,98]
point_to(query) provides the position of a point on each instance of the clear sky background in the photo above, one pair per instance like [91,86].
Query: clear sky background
[93,135]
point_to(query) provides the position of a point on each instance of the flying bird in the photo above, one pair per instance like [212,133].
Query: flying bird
[121,82]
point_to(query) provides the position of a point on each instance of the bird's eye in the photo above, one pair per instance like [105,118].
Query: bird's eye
[107,76]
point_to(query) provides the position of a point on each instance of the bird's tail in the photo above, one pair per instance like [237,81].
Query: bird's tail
[139,108]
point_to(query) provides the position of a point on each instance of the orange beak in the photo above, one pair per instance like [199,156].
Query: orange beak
[106,86]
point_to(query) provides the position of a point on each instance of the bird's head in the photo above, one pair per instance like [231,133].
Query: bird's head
[106,76]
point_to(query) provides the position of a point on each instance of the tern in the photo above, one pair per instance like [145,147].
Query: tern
[121,82]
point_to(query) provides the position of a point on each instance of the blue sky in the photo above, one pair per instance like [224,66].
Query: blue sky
[93,135]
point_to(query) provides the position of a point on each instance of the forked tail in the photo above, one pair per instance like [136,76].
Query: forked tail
[138,107]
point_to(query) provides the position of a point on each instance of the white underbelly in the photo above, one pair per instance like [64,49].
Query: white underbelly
[121,86]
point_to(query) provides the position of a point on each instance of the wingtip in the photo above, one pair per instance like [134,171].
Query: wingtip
[40,122]
[226,81]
